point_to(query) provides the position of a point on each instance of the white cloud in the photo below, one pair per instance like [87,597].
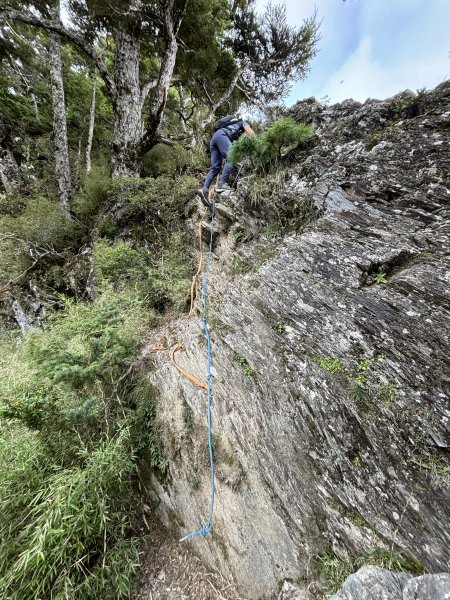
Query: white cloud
[362,76]
[373,48]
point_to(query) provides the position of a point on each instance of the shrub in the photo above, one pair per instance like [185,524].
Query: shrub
[39,228]
[269,147]
[158,278]
[120,262]
[77,418]
[67,384]
[93,196]
[167,160]
[41,222]
[284,208]
[163,200]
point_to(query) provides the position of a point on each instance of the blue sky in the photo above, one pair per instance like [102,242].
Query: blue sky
[374,48]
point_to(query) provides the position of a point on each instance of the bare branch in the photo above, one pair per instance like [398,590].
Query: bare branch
[150,85]
[227,93]
[67,34]
[171,140]
[210,100]
[172,23]
[244,91]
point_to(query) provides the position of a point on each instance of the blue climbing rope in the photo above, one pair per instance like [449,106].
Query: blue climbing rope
[207,527]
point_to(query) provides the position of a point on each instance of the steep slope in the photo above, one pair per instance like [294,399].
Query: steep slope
[330,360]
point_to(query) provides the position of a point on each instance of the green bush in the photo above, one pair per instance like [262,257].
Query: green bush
[120,262]
[38,228]
[41,222]
[285,210]
[67,384]
[159,278]
[163,200]
[73,418]
[167,160]
[11,204]
[269,147]
[94,195]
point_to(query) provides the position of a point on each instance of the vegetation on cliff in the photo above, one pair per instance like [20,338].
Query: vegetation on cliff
[96,248]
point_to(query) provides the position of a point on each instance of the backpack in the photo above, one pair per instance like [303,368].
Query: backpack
[225,121]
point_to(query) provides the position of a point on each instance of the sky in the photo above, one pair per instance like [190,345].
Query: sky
[373,48]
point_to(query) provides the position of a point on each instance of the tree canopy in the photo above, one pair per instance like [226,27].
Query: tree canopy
[165,67]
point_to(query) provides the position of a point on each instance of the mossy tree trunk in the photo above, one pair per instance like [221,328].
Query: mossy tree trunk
[9,171]
[91,124]
[127,123]
[60,144]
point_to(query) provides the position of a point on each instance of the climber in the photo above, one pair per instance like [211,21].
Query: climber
[227,130]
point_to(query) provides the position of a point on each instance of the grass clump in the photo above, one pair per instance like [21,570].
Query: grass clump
[53,549]
[273,197]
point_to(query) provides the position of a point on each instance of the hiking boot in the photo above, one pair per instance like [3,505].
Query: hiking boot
[223,187]
[203,194]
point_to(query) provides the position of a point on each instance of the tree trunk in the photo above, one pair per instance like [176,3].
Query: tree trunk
[182,113]
[10,176]
[60,145]
[128,124]
[91,126]
[172,22]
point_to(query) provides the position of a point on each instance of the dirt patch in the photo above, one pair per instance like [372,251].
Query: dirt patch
[170,571]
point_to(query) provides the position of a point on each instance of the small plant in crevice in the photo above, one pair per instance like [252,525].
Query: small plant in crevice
[429,255]
[240,266]
[278,326]
[348,513]
[188,417]
[333,571]
[332,365]
[193,480]
[378,278]
[356,461]
[434,463]
[248,371]
[364,385]
[241,236]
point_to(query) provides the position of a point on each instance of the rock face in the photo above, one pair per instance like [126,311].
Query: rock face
[372,583]
[330,361]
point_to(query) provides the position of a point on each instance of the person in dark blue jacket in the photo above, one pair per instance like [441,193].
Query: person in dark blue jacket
[219,145]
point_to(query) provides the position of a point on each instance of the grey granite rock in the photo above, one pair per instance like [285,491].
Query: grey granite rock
[428,587]
[330,360]
[291,592]
[373,583]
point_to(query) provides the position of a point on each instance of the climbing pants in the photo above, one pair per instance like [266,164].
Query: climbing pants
[220,144]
